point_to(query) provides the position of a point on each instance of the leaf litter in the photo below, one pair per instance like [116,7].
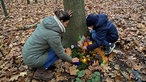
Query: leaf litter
[126,64]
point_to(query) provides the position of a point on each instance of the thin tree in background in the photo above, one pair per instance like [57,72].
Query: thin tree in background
[45,2]
[28,2]
[56,1]
[77,26]
[36,1]
[4,8]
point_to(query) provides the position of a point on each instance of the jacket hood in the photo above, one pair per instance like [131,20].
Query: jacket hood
[53,23]
[102,18]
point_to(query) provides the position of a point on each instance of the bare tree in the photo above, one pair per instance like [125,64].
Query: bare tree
[28,2]
[36,1]
[4,8]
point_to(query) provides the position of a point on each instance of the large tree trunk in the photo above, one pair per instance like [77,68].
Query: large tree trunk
[76,27]
[4,8]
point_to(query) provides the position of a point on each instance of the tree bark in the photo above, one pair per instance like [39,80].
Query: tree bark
[45,2]
[55,1]
[77,27]
[4,8]
[36,1]
[28,2]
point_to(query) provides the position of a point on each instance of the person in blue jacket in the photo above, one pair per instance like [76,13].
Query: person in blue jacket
[102,31]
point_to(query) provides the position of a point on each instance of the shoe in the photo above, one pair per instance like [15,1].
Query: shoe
[109,49]
[32,69]
[52,67]
[43,74]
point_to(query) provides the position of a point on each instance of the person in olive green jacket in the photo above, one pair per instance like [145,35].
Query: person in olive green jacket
[44,46]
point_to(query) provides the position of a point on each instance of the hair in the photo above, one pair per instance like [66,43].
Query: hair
[62,15]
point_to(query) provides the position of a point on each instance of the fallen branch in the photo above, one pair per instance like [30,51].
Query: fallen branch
[27,27]
[2,53]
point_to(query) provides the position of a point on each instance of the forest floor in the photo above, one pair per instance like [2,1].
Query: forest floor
[128,64]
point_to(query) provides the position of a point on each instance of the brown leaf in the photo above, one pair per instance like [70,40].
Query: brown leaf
[109,80]
[106,68]
[91,68]
[117,67]
[137,66]
[125,74]
[118,78]
[88,72]
[95,64]
[73,70]
[14,77]
[60,78]
[68,51]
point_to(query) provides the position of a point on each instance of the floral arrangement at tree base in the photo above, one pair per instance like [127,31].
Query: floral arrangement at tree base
[91,62]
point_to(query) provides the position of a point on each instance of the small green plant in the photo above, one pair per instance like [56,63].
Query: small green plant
[95,77]
[78,80]
[81,73]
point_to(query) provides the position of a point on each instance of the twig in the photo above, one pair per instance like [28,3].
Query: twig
[2,53]
[27,27]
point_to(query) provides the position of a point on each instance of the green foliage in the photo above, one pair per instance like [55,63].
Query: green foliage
[81,73]
[77,52]
[82,66]
[89,80]
[78,80]
[95,77]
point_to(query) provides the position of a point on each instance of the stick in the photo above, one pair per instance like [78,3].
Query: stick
[27,27]
[2,53]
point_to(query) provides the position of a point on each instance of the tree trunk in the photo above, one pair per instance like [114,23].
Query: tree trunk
[28,2]
[77,27]
[55,1]
[4,8]
[45,2]
[36,1]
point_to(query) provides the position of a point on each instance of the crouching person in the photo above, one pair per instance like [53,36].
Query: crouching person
[44,46]
[103,32]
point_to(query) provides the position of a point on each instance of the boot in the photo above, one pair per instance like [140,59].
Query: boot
[32,69]
[109,49]
[43,74]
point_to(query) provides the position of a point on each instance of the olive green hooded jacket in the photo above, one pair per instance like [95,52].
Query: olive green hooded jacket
[47,35]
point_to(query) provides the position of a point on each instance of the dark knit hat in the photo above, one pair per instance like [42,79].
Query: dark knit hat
[91,20]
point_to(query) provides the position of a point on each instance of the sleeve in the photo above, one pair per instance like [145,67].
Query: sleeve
[56,45]
[99,37]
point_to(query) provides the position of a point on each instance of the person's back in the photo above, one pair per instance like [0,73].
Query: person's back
[36,47]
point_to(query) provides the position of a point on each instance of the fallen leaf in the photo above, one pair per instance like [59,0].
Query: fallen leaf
[109,80]
[68,51]
[73,70]
[137,66]
[14,77]
[88,72]
[117,67]
[23,74]
[125,74]
[91,68]
[106,68]
[118,78]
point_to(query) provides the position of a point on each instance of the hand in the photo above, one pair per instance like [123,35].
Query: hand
[75,60]
[90,28]
[70,13]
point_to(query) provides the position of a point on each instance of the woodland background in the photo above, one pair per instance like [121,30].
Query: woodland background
[129,16]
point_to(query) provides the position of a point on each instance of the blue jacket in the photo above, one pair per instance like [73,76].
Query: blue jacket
[104,32]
